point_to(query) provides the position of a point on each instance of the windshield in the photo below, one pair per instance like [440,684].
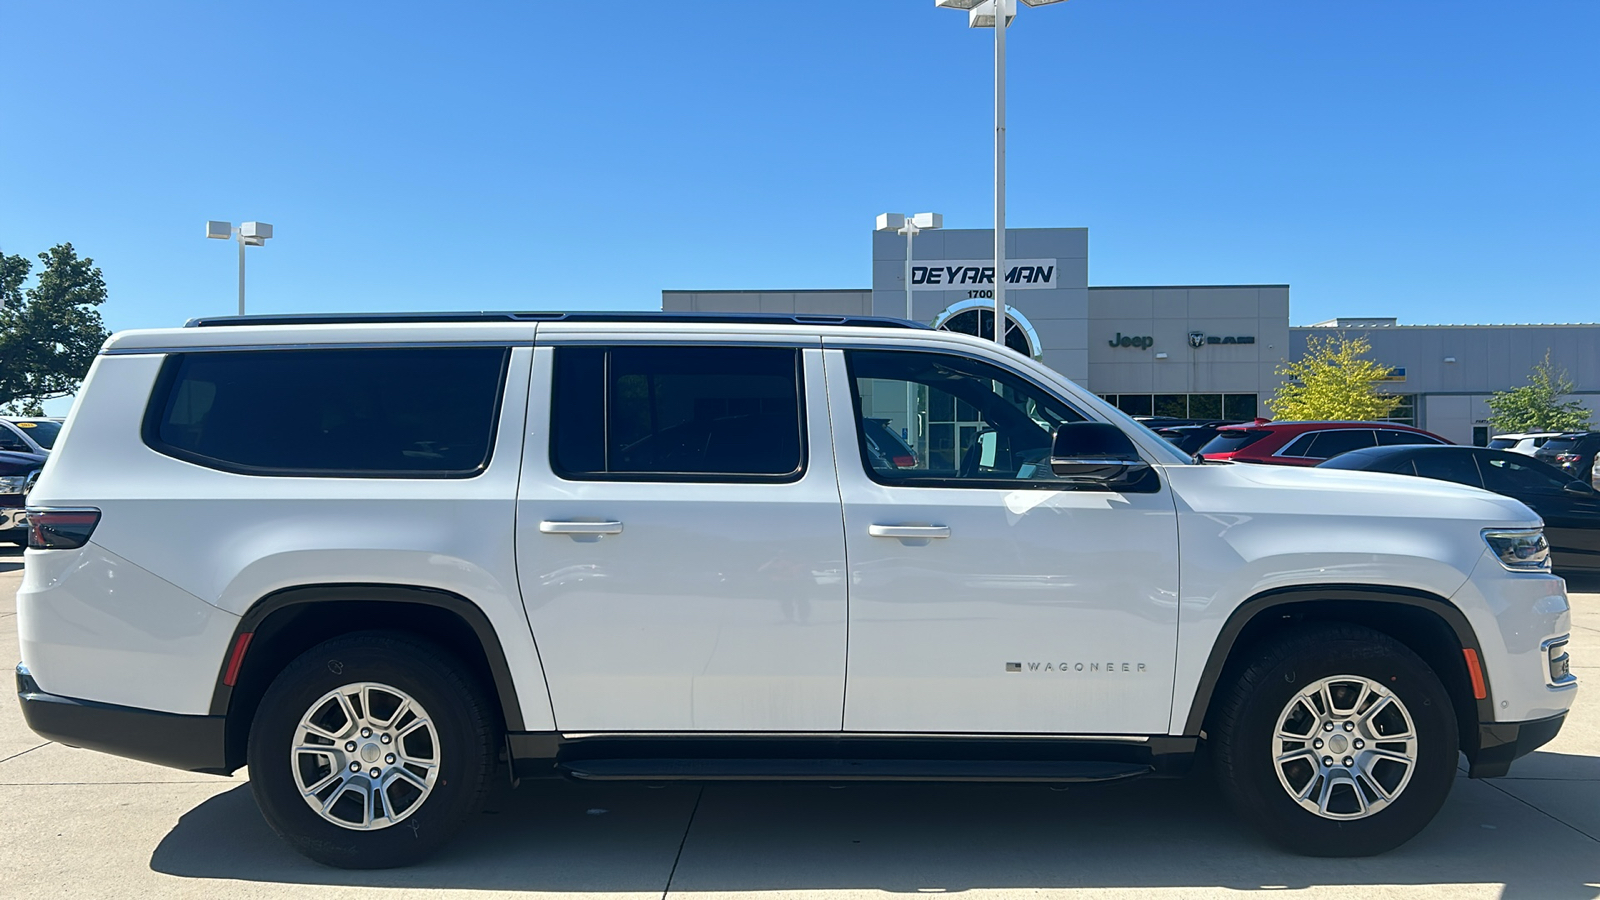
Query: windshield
[43,433]
[1560,444]
[1502,443]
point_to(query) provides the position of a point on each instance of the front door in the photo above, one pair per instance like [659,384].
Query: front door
[679,543]
[987,596]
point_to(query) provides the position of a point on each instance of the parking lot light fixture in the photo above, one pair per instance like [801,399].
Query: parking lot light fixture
[909,226]
[248,234]
[984,14]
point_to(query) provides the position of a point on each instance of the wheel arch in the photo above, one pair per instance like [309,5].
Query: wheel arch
[1427,624]
[286,623]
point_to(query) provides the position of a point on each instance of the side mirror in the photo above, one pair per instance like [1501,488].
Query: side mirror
[1579,488]
[1095,452]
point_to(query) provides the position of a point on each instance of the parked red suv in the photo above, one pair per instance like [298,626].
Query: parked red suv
[1307,443]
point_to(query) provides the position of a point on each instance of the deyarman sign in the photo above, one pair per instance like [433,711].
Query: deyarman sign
[977,274]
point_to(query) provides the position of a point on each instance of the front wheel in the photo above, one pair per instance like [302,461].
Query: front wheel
[371,750]
[1337,741]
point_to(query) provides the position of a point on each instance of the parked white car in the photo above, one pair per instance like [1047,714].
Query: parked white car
[372,556]
[1522,443]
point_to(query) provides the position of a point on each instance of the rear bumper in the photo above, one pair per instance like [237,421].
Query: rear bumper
[1501,743]
[192,743]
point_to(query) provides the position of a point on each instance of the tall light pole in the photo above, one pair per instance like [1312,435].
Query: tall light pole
[985,14]
[909,226]
[249,234]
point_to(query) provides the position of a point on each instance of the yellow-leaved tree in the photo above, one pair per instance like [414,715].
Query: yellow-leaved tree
[1332,382]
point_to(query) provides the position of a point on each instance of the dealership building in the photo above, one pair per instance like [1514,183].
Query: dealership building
[1189,351]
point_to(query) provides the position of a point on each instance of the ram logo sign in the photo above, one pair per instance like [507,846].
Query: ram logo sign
[978,274]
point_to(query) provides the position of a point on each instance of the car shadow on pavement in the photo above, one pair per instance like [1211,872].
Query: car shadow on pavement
[1583,583]
[10,558]
[911,839]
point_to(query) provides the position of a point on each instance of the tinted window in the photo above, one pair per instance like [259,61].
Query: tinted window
[426,412]
[1515,476]
[1300,446]
[970,423]
[1230,441]
[10,441]
[1448,465]
[1503,443]
[1329,444]
[677,413]
[1560,445]
[1391,438]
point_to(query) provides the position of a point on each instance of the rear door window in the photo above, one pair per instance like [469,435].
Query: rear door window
[1458,467]
[397,412]
[1389,437]
[1329,444]
[678,413]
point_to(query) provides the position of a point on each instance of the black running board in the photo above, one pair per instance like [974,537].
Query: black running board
[835,770]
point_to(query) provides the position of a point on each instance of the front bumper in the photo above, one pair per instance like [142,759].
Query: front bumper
[192,743]
[1500,743]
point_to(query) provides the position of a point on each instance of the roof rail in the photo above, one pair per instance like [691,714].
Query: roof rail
[675,318]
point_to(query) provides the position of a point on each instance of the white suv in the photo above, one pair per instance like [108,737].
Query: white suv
[379,559]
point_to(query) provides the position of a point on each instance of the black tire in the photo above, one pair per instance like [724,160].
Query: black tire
[461,716]
[1245,719]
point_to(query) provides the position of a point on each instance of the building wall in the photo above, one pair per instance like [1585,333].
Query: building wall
[831,303]
[1060,315]
[1167,316]
[1455,368]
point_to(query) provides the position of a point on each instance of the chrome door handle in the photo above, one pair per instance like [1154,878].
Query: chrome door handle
[909,531]
[551,527]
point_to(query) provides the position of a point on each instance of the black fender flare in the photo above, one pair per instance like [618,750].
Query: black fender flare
[455,604]
[1264,602]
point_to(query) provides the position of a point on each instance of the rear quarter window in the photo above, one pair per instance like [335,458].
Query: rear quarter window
[395,412]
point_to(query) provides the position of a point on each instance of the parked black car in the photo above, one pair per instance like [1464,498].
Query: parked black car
[1190,438]
[1569,506]
[1571,453]
[17,473]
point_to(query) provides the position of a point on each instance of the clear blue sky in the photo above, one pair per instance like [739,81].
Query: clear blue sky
[1430,159]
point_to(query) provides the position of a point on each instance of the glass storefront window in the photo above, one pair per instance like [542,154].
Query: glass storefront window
[1243,407]
[1134,404]
[1174,405]
[1205,406]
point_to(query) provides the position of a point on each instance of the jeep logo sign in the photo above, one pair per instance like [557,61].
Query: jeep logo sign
[963,274]
[1122,340]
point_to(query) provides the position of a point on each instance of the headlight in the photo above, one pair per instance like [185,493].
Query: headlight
[12,484]
[1520,551]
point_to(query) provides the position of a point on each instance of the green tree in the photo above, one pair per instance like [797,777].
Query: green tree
[1537,405]
[1333,381]
[49,333]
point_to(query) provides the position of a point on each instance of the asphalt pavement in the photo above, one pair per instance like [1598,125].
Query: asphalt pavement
[79,824]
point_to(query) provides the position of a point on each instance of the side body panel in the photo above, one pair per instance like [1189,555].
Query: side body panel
[717,607]
[223,541]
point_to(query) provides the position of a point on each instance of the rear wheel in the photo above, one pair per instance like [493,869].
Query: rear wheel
[1336,741]
[370,750]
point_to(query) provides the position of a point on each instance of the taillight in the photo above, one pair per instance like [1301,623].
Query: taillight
[1567,457]
[60,529]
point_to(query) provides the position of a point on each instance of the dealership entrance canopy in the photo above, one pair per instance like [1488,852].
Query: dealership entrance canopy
[1189,351]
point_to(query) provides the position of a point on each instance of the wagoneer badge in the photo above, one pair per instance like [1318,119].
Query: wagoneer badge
[1085,667]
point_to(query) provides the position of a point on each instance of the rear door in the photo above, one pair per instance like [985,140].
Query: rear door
[679,538]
